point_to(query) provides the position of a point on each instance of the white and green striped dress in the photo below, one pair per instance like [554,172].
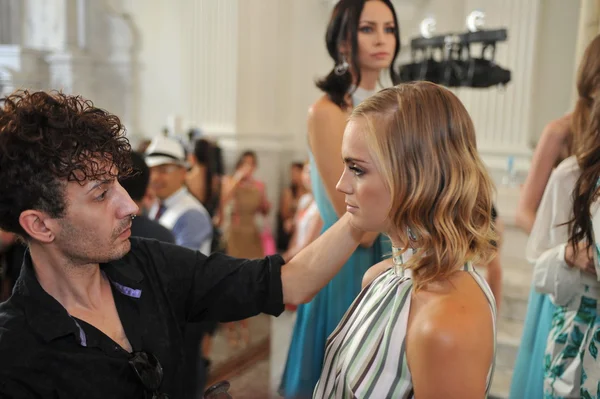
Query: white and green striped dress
[365,356]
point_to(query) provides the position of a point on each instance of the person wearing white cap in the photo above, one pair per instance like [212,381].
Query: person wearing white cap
[176,209]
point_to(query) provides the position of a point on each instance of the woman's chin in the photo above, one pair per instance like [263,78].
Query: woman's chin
[365,225]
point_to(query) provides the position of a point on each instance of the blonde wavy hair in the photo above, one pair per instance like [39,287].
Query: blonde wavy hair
[422,141]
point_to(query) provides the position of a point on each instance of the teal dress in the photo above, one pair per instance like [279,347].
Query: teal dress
[528,374]
[544,320]
[317,319]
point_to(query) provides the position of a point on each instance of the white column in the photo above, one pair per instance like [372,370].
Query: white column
[212,69]
[110,38]
[72,16]
[5,22]
[259,52]
[11,21]
[54,25]
[261,94]
[21,67]
[71,69]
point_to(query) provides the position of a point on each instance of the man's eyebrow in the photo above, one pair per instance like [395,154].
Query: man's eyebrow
[100,183]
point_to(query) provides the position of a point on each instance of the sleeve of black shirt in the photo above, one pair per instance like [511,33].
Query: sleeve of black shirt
[10,389]
[219,287]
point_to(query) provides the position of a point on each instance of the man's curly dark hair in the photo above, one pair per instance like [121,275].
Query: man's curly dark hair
[47,139]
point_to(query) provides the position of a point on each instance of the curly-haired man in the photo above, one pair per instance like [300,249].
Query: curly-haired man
[95,314]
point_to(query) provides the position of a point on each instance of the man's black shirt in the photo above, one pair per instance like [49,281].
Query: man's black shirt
[144,227]
[158,288]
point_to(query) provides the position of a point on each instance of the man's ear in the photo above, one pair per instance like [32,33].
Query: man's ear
[38,225]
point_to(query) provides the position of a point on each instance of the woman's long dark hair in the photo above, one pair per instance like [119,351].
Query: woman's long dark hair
[295,187]
[205,155]
[343,25]
[585,192]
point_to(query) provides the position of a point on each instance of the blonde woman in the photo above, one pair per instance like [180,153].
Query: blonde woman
[424,324]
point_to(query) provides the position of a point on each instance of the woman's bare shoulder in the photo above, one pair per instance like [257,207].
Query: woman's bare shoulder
[324,108]
[450,337]
[455,312]
[375,271]
[558,129]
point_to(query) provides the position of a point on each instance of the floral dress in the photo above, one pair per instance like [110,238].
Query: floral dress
[571,366]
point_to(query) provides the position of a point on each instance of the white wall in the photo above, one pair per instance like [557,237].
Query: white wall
[245,70]
[161,59]
[241,70]
[77,46]
[555,64]
[539,52]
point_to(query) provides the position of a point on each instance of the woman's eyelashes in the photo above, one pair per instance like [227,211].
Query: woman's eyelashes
[356,170]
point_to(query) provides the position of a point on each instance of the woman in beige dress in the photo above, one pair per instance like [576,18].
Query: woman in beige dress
[243,200]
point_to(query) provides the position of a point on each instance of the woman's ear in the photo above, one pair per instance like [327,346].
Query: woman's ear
[344,49]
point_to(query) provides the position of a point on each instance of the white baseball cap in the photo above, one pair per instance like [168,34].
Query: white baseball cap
[165,150]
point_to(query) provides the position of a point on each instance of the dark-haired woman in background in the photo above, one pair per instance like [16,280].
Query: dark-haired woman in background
[563,244]
[203,181]
[564,135]
[288,204]
[362,39]
[200,180]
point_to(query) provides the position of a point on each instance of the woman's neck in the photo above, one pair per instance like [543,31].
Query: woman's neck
[398,241]
[368,79]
